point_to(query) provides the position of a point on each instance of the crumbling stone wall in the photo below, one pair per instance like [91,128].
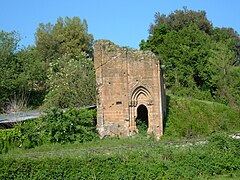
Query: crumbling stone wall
[126,79]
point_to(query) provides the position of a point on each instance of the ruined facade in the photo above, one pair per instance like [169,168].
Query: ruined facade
[129,86]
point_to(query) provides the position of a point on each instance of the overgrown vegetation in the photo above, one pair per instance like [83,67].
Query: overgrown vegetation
[67,138]
[192,118]
[186,118]
[218,158]
[55,127]
[58,68]
[141,126]
[71,82]
[198,60]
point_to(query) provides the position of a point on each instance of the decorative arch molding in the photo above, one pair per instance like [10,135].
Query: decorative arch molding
[139,85]
[137,92]
[136,101]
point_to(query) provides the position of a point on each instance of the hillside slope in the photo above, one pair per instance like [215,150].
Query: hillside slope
[192,118]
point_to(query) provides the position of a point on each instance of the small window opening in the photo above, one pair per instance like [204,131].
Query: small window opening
[119,102]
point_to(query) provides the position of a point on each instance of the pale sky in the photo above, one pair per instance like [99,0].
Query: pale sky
[125,22]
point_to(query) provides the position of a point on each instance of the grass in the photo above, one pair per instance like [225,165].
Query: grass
[191,118]
[107,142]
[142,157]
[219,158]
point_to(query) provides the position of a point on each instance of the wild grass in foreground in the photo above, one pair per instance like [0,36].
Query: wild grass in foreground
[109,142]
[218,158]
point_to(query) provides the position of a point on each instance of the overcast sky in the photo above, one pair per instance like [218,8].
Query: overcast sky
[125,22]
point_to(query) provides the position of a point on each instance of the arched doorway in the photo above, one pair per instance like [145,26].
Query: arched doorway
[140,111]
[142,119]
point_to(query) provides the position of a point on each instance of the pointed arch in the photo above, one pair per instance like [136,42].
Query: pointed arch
[140,90]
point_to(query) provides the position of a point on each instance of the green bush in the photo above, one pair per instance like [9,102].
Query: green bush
[30,133]
[142,126]
[71,82]
[8,139]
[55,127]
[70,126]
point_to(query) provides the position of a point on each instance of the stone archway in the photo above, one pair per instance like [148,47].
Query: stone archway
[140,106]
[142,119]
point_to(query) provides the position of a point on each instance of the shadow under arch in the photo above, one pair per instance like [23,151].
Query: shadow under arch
[142,119]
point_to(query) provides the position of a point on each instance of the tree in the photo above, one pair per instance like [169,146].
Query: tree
[67,36]
[198,60]
[71,82]
[34,75]
[184,55]
[231,38]
[226,76]
[66,50]
[182,18]
[22,74]
[9,66]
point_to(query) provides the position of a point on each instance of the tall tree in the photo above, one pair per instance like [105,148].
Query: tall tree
[225,76]
[184,55]
[9,66]
[68,36]
[33,75]
[182,18]
[66,49]
[198,60]
[231,38]
[22,74]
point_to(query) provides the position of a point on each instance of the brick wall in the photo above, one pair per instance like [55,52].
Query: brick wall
[126,79]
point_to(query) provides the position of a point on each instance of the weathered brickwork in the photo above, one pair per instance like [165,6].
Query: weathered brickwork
[126,79]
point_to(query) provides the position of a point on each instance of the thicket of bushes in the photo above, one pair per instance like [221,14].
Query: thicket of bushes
[218,157]
[56,127]
[186,118]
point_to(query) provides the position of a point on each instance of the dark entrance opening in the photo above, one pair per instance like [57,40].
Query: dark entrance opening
[142,119]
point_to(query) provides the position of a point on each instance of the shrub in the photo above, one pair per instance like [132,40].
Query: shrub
[55,127]
[9,139]
[71,82]
[142,126]
[72,125]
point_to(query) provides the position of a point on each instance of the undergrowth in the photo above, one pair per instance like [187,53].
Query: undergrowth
[191,118]
[186,118]
[55,127]
[219,157]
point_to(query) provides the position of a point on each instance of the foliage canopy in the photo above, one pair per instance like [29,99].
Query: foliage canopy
[196,57]
[68,36]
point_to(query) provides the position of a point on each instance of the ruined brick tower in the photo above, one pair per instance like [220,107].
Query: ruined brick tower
[129,86]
